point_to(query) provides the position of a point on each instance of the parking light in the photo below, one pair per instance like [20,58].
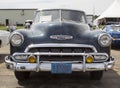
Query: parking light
[89,59]
[31,59]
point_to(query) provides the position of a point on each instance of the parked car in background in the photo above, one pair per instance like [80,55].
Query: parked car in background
[4,38]
[114,31]
[59,41]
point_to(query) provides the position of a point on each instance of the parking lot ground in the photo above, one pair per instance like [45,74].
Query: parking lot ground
[111,78]
[5,50]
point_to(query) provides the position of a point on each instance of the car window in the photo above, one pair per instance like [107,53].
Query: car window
[75,16]
[37,17]
[60,15]
[49,16]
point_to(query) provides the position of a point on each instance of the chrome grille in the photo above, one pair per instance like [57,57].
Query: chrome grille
[60,48]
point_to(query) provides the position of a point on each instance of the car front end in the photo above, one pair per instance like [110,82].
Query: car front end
[60,47]
[51,54]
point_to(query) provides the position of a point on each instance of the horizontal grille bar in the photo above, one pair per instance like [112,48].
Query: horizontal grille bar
[53,46]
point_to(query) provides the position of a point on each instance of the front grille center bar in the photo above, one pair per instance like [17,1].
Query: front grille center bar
[60,54]
[55,45]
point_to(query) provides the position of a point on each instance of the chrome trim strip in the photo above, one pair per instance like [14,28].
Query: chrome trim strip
[37,66]
[59,45]
[60,54]
[115,38]
[84,64]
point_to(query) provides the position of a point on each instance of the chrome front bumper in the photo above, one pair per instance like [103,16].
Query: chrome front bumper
[46,66]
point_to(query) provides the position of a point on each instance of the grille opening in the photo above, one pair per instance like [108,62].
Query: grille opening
[61,58]
[62,50]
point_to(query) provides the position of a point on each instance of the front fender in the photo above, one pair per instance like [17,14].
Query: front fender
[94,35]
[27,34]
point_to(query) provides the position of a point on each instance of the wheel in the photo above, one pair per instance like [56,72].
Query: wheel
[96,75]
[22,76]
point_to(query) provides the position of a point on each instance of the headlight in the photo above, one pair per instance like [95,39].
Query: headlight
[104,40]
[16,39]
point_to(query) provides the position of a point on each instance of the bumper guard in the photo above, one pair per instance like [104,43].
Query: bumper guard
[46,65]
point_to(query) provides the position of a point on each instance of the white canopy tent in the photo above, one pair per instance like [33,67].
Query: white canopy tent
[112,12]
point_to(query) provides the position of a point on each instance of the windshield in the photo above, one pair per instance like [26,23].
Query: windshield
[60,15]
[76,16]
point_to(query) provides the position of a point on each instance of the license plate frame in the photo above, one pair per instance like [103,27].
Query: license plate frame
[61,68]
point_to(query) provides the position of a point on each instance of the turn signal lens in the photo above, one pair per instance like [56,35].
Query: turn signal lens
[89,59]
[31,59]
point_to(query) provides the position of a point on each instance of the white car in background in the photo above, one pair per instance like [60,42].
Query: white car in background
[4,38]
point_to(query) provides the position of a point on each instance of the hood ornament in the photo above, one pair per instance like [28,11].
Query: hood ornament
[61,37]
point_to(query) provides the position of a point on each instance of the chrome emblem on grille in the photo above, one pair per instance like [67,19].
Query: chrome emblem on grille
[61,37]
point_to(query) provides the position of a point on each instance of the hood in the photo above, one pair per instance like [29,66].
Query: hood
[58,32]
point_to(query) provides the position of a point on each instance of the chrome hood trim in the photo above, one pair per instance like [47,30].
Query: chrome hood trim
[59,45]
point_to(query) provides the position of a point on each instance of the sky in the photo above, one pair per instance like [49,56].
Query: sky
[89,6]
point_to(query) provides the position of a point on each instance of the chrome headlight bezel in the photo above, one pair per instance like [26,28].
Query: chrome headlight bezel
[16,39]
[104,40]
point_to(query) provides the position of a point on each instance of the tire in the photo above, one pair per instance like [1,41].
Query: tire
[96,75]
[0,43]
[22,76]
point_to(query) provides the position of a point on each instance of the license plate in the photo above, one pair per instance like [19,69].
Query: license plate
[61,68]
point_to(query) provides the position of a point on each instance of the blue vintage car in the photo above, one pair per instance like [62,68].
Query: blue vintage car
[114,31]
[59,41]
